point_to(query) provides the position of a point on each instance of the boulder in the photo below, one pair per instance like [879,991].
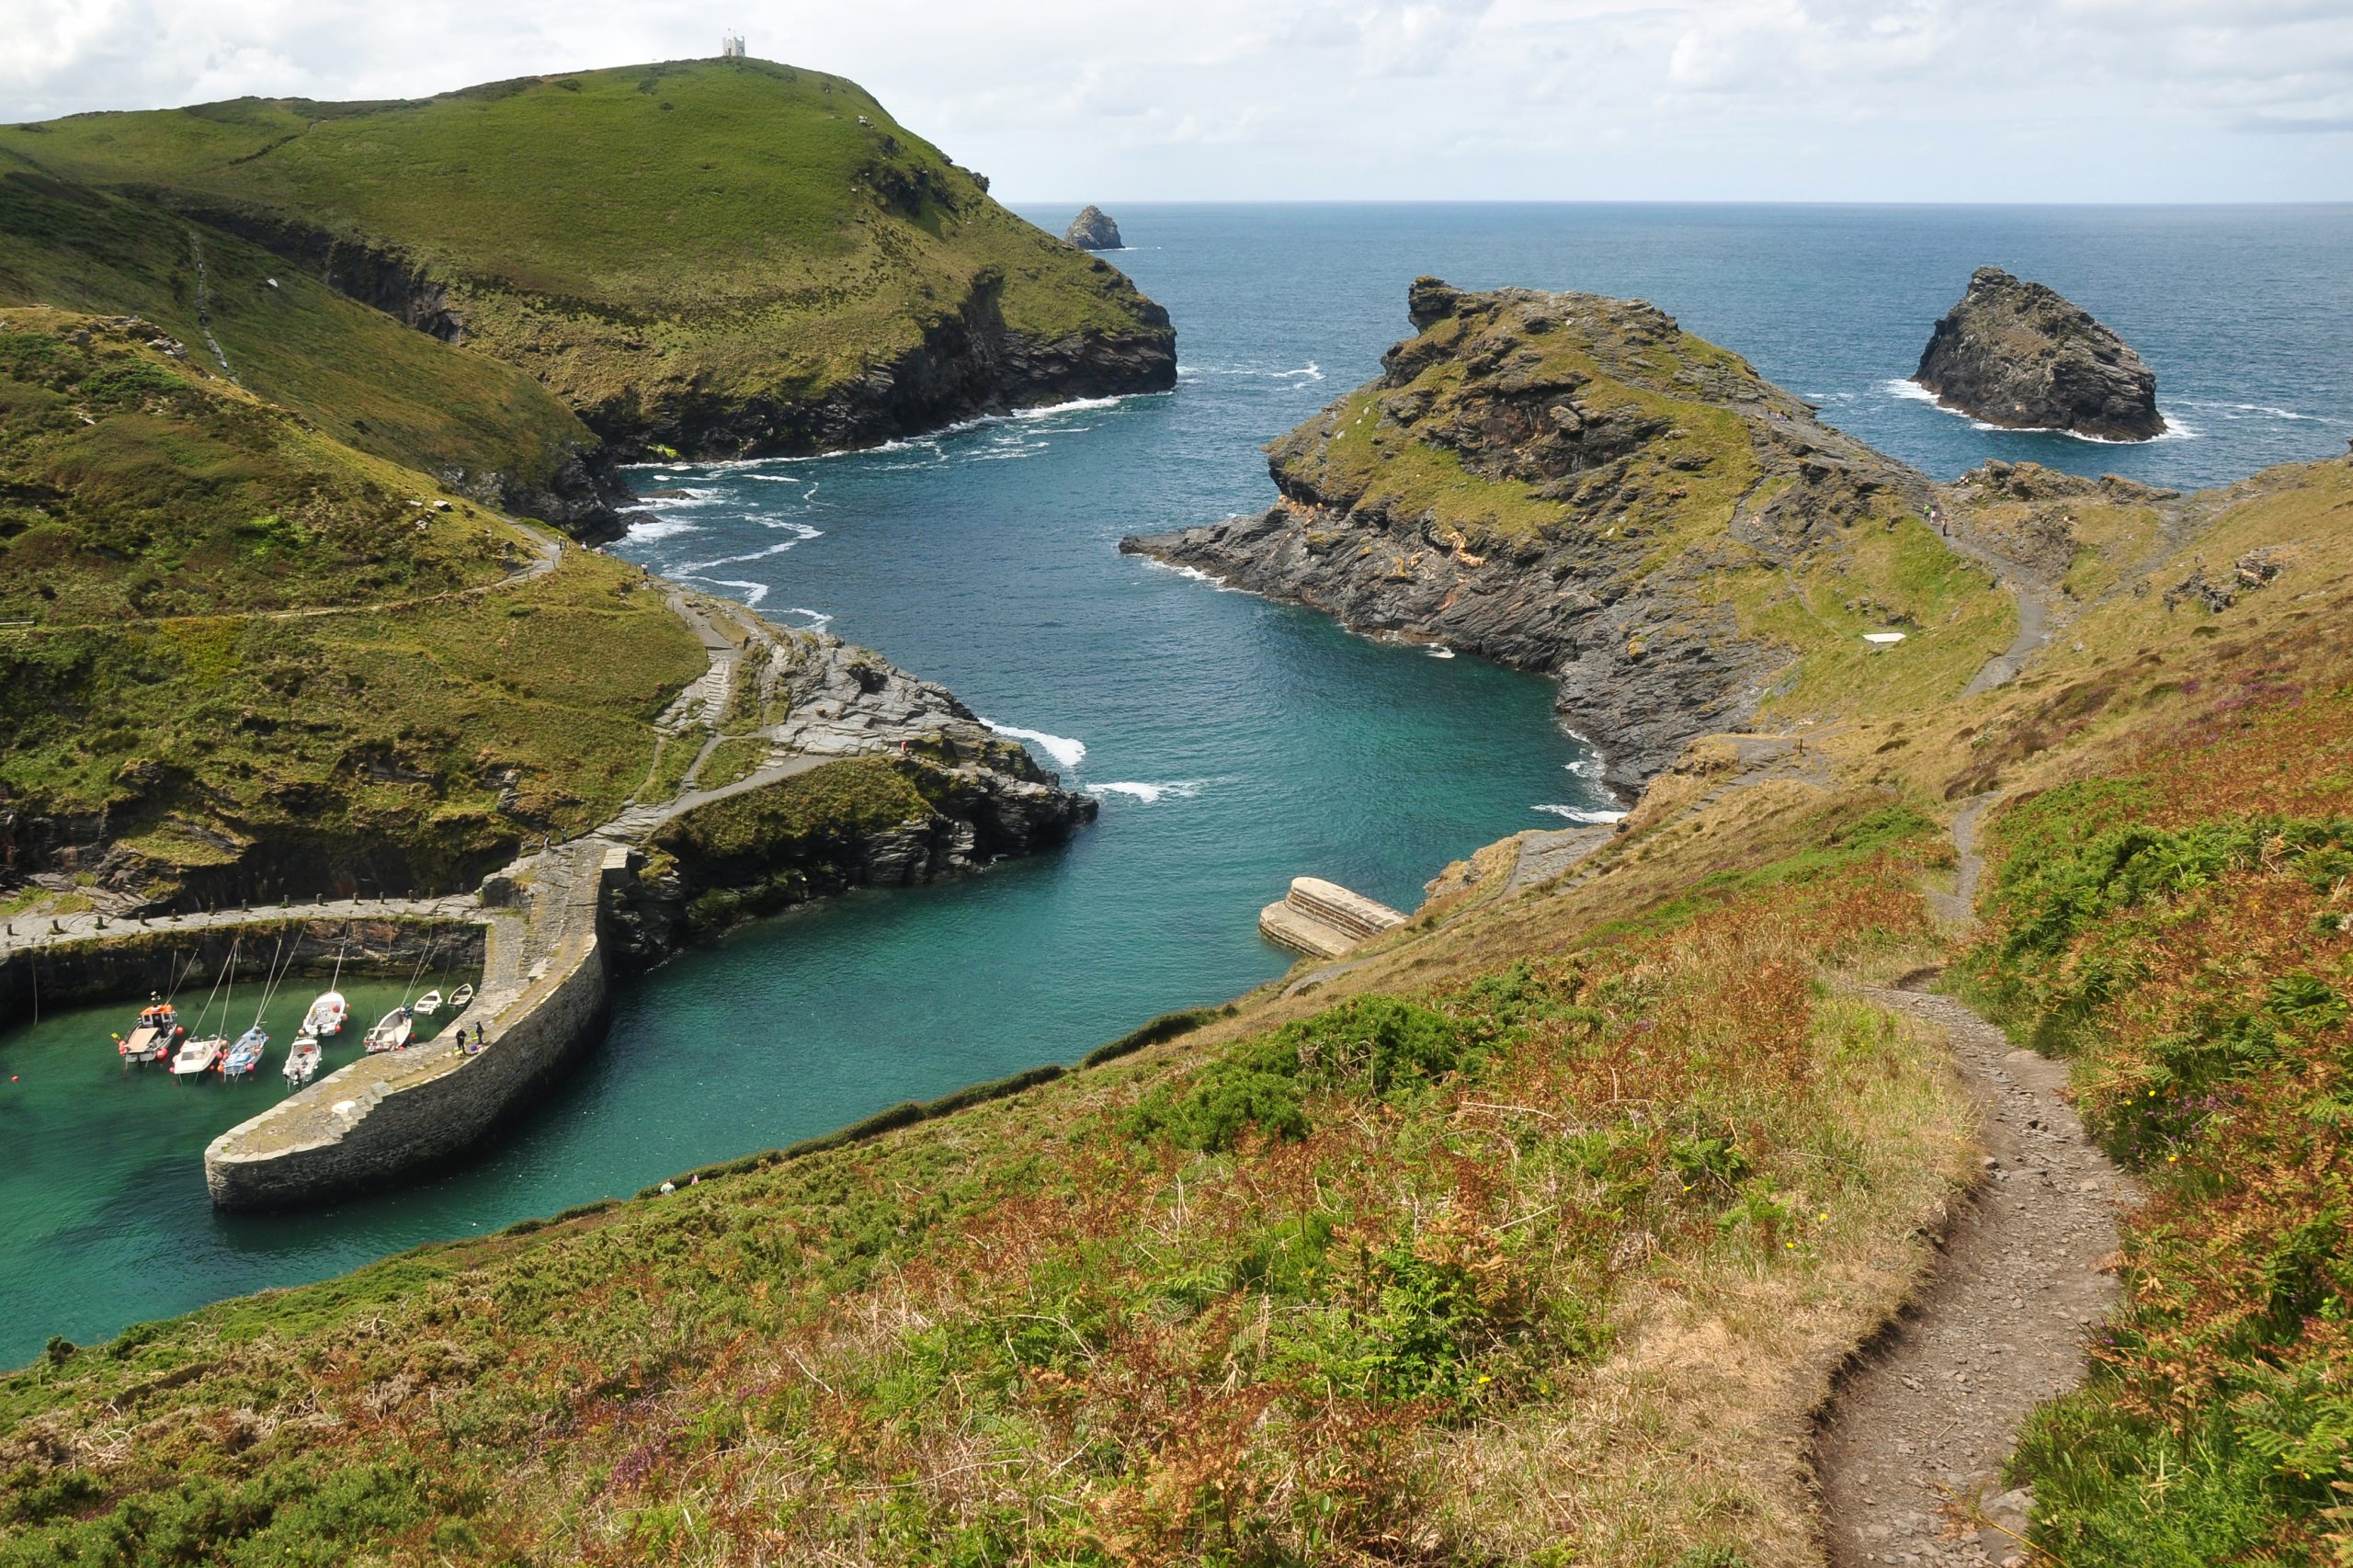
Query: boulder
[1093,230]
[2017,354]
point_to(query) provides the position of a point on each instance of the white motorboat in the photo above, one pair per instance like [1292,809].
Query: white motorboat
[243,1057]
[327,1017]
[427,1004]
[196,1057]
[392,1031]
[303,1061]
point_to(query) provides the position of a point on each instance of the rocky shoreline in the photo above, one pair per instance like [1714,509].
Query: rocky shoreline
[1588,429]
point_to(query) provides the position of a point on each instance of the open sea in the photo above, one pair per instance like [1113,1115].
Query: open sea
[1233,743]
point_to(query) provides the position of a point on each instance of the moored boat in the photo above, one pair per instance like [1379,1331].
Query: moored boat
[242,1058]
[197,1057]
[427,1004]
[461,998]
[392,1031]
[303,1061]
[327,1017]
[153,1039]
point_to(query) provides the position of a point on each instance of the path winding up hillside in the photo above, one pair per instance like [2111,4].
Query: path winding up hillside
[1911,1453]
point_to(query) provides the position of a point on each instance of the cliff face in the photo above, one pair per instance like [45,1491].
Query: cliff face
[1567,483]
[2018,353]
[966,363]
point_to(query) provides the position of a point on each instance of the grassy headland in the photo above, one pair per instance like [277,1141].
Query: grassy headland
[710,255]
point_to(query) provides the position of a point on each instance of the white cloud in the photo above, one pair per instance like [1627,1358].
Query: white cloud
[1852,100]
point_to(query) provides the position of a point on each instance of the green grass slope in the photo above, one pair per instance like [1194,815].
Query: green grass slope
[239,654]
[484,428]
[711,255]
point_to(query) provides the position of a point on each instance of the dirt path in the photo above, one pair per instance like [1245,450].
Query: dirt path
[1911,1456]
[1911,1459]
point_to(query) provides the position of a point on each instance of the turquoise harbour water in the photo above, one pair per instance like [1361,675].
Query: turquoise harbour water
[1233,743]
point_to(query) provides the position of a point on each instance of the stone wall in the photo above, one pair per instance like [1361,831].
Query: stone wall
[385,1116]
[129,967]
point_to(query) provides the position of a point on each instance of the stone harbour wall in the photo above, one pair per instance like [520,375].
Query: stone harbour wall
[384,1117]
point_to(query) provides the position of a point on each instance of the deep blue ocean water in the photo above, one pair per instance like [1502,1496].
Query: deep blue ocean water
[1233,743]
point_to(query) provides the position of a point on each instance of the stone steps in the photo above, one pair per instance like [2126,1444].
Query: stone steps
[1324,919]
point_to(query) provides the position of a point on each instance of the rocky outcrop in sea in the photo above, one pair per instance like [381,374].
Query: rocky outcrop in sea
[1560,482]
[1093,230]
[2019,355]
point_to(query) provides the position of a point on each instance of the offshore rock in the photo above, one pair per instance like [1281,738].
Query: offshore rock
[1560,482]
[2019,355]
[1093,230]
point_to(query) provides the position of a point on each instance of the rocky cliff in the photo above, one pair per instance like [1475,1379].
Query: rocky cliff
[1568,483]
[1093,230]
[900,784]
[966,362]
[2018,354]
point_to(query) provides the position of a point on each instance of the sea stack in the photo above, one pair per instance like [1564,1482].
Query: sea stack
[2019,355]
[1093,230]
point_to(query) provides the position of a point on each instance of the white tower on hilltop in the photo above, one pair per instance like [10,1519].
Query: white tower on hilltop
[731,46]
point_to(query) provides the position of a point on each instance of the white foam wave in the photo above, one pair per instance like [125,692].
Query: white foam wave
[1195,572]
[1435,652]
[1586,814]
[691,567]
[1066,752]
[656,525]
[1182,790]
[1588,766]
[2235,410]
[754,592]
[1911,392]
[1073,406]
[818,619]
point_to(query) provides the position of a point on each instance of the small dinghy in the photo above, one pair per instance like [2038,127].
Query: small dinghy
[461,998]
[427,1004]
[197,1057]
[327,1017]
[303,1061]
[157,1034]
[246,1055]
[392,1031]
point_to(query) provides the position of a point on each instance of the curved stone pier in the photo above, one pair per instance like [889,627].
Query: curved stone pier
[543,994]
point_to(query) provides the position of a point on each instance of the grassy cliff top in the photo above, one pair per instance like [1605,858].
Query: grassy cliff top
[735,226]
[352,371]
[236,642]
[139,485]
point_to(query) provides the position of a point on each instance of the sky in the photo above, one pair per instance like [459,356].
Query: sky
[1105,100]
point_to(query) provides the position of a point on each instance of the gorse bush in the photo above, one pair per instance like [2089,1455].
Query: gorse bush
[1373,1046]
